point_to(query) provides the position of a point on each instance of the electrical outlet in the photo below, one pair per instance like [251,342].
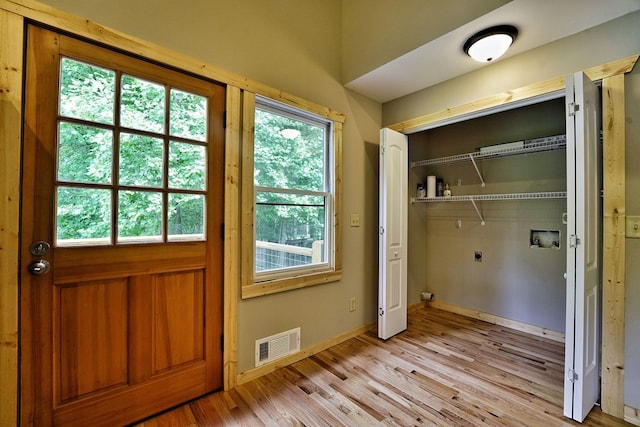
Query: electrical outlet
[352,304]
[633,227]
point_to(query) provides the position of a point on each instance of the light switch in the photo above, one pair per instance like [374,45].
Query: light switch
[633,227]
[355,220]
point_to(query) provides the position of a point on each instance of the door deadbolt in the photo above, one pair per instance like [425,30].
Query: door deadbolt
[39,248]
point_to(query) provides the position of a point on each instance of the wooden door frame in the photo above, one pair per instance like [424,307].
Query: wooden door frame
[613,213]
[11,30]
[14,14]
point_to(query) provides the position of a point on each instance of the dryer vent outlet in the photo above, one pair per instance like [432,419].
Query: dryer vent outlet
[427,296]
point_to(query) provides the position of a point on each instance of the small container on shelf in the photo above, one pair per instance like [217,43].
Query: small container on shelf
[447,191]
[421,192]
[431,186]
[439,187]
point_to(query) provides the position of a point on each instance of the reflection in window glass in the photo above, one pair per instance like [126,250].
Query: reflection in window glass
[140,160]
[84,153]
[142,105]
[87,92]
[187,166]
[188,116]
[139,216]
[186,216]
[83,216]
[288,153]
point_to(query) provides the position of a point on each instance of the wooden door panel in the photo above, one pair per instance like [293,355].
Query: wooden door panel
[117,332]
[97,263]
[178,319]
[92,336]
[122,406]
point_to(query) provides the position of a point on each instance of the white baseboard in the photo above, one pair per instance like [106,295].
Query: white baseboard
[632,415]
[497,320]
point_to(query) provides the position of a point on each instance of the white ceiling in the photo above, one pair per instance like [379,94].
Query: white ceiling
[539,22]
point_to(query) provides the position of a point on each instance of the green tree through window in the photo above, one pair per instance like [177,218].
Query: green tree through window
[120,158]
[292,187]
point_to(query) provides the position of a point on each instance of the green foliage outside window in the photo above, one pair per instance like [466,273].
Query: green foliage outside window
[94,178]
[290,162]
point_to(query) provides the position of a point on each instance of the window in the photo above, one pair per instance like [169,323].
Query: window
[131,161]
[294,166]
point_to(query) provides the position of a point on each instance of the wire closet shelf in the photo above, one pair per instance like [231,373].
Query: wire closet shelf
[536,145]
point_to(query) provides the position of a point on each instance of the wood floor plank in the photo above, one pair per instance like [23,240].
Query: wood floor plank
[302,406]
[445,370]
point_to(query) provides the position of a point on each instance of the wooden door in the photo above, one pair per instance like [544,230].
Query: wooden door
[127,322]
[392,293]
[582,346]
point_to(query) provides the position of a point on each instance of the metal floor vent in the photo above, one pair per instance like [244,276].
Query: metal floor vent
[276,346]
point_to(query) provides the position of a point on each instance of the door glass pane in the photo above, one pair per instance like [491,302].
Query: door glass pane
[187,166]
[83,216]
[87,92]
[188,117]
[141,160]
[186,217]
[142,105]
[139,216]
[103,183]
[84,153]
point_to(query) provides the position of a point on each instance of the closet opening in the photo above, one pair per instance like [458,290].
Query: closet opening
[502,183]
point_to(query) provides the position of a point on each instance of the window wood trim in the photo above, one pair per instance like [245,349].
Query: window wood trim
[232,244]
[252,287]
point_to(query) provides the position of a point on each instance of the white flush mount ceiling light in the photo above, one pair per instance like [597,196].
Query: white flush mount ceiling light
[491,43]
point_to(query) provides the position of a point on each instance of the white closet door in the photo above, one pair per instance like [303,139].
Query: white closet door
[392,287]
[582,382]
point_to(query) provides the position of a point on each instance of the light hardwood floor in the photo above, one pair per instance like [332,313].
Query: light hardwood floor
[445,370]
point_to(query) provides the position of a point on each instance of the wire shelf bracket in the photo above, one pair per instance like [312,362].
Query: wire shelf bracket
[473,202]
[477,170]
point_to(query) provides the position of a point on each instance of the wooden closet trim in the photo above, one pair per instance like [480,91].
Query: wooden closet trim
[613,256]
[613,240]
[599,72]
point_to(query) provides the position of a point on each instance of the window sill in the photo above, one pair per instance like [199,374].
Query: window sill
[268,287]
